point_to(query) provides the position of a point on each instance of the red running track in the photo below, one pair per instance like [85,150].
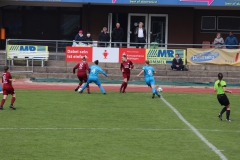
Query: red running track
[23,84]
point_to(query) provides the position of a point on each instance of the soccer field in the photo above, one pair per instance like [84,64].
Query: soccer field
[67,125]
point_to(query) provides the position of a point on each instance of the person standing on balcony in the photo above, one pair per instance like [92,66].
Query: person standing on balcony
[80,37]
[140,33]
[230,41]
[104,37]
[117,35]
[219,41]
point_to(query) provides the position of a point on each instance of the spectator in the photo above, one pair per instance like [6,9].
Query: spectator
[117,35]
[80,37]
[231,40]
[177,63]
[140,33]
[104,37]
[218,41]
[89,38]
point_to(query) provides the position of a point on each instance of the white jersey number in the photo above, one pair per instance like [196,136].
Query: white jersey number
[149,72]
[80,66]
[93,71]
[4,79]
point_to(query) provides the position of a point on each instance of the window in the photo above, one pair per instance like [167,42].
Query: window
[208,23]
[12,22]
[228,23]
[70,24]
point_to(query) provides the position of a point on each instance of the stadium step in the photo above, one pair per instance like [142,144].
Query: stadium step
[62,69]
[164,78]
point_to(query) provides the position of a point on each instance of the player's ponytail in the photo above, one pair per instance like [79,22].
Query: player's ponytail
[147,62]
[96,62]
[220,76]
[5,68]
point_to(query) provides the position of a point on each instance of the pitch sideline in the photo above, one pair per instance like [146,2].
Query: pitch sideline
[127,129]
[192,128]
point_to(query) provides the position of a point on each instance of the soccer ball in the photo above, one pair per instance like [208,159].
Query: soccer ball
[160,89]
[79,89]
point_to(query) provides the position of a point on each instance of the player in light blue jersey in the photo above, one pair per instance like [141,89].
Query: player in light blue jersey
[149,78]
[93,77]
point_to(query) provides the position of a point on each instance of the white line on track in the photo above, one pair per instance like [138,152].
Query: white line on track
[127,129]
[210,145]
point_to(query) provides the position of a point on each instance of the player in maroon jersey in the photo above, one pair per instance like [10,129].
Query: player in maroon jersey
[82,75]
[7,88]
[125,67]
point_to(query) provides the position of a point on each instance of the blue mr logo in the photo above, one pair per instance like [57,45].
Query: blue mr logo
[28,48]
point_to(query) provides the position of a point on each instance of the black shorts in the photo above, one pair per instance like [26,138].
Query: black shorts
[223,100]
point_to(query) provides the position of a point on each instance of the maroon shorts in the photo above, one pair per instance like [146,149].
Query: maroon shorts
[126,75]
[82,77]
[8,91]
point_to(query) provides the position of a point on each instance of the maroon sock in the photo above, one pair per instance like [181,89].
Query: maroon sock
[80,84]
[125,86]
[88,88]
[2,103]
[13,100]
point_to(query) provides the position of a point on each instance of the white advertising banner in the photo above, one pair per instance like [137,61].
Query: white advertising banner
[105,54]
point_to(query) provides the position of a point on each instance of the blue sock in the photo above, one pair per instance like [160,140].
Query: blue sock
[156,92]
[85,85]
[153,90]
[102,89]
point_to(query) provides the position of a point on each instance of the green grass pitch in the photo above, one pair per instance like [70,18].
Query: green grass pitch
[64,125]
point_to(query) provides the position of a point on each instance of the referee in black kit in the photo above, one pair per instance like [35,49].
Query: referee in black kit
[220,88]
[140,33]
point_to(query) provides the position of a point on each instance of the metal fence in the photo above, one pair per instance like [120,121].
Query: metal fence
[57,48]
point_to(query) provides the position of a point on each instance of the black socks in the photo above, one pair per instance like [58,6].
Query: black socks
[223,110]
[228,114]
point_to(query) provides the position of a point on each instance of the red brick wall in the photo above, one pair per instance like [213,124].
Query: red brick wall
[180,20]
[199,36]
[184,24]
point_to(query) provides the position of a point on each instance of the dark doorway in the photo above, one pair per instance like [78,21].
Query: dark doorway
[121,18]
[41,26]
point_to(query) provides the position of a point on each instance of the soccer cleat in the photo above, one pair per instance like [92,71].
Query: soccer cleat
[81,91]
[228,120]
[104,93]
[220,116]
[120,91]
[76,89]
[159,96]
[11,106]
[153,96]
[89,93]
[1,108]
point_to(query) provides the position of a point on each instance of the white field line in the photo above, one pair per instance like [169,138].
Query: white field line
[210,145]
[126,129]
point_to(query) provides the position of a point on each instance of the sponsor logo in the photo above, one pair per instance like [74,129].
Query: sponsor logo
[153,53]
[27,48]
[105,54]
[204,57]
